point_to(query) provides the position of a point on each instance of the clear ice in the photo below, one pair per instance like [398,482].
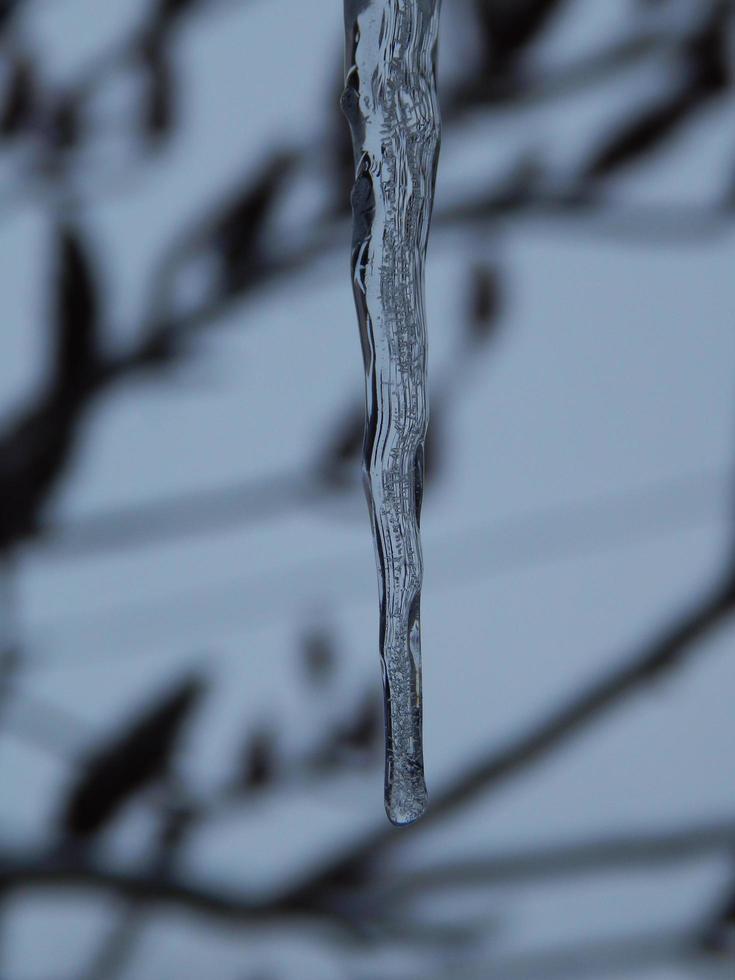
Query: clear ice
[390,102]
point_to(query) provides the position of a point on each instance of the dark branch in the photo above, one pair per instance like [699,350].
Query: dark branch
[667,652]
[645,850]
[32,870]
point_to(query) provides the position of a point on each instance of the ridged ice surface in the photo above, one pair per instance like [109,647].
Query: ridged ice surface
[390,102]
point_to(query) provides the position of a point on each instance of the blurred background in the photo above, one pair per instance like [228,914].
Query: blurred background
[190,705]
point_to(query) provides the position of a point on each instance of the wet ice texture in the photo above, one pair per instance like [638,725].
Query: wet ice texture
[390,102]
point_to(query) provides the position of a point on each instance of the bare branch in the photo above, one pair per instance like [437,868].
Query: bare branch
[644,850]
[67,869]
[579,961]
[665,653]
[31,870]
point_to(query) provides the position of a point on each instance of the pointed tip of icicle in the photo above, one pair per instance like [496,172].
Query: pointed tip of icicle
[406,801]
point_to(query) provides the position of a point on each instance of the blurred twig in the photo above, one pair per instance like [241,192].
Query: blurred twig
[551,534]
[498,91]
[615,853]
[669,650]
[607,957]
[41,870]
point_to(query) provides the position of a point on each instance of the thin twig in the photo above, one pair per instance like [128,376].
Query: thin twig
[41,870]
[668,651]
[643,850]
[608,957]
[533,539]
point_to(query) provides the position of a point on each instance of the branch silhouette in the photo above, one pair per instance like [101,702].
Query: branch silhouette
[31,869]
[668,651]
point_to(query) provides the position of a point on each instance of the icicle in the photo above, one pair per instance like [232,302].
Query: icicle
[390,102]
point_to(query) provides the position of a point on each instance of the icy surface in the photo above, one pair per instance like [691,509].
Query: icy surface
[391,104]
